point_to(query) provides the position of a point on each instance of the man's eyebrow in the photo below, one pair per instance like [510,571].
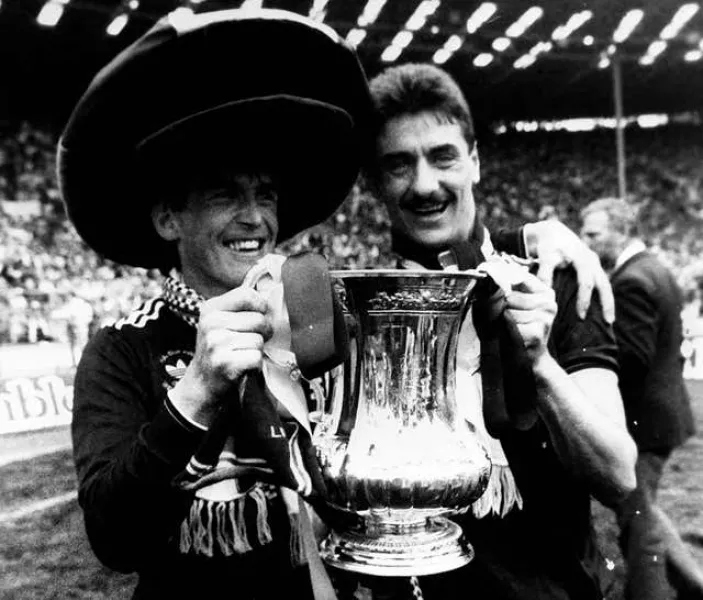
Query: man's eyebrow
[443,148]
[394,154]
[397,152]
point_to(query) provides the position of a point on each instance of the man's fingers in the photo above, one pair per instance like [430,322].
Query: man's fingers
[607,300]
[545,272]
[235,361]
[525,317]
[585,291]
[236,300]
[531,284]
[518,301]
[590,276]
[245,321]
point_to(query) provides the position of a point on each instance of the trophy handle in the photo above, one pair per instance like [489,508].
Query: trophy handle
[351,379]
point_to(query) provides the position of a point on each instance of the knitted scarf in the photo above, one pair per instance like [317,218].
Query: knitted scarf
[495,385]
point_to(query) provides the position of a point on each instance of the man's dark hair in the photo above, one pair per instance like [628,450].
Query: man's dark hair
[414,88]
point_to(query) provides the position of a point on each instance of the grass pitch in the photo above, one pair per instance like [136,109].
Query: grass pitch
[46,556]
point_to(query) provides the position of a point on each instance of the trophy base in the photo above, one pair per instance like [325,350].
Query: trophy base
[436,548]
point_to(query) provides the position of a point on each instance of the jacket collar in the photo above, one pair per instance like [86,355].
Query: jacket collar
[634,248]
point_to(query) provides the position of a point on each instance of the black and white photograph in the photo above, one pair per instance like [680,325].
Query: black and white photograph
[351,300]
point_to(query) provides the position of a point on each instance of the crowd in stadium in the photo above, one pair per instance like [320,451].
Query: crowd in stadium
[52,285]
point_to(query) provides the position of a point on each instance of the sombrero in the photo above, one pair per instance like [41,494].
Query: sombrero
[266,87]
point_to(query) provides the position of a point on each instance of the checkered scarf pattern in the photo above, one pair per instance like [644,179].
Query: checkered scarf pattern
[181,299]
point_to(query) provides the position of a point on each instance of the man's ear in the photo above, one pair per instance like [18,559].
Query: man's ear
[165,222]
[473,157]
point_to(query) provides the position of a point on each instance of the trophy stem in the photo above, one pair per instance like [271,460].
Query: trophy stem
[394,550]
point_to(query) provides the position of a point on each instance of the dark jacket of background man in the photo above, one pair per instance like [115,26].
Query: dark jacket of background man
[648,329]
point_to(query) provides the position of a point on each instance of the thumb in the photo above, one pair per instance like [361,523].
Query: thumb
[545,272]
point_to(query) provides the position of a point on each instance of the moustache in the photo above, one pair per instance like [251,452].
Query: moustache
[413,200]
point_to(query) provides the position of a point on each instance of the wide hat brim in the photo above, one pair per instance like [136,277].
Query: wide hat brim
[274,91]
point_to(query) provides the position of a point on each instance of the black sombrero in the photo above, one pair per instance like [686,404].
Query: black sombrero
[253,87]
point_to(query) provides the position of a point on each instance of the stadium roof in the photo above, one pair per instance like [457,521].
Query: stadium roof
[516,59]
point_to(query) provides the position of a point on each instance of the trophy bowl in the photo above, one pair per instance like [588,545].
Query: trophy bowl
[396,456]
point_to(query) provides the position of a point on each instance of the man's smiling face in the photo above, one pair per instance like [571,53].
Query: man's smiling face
[425,175]
[226,225]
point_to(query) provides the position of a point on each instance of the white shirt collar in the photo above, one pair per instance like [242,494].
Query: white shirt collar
[634,247]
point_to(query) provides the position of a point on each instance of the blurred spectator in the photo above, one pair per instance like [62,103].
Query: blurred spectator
[77,315]
[524,177]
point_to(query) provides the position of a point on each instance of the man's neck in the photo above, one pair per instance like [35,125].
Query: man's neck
[468,254]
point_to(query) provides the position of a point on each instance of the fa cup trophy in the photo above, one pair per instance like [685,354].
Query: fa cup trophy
[395,454]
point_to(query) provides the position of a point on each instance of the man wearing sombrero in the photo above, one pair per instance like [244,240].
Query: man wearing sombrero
[195,151]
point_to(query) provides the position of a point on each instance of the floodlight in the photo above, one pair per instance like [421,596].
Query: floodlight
[575,21]
[693,55]
[50,14]
[317,10]
[370,12]
[627,25]
[441,56]
[453,43]
[425,9]
[656,48]
[483,60]
[117,24]
[480,16]
[500,44]
[524,61]
[391,53]
[526,20]
[678,21]
[356,36]
[402,39]
[652,120]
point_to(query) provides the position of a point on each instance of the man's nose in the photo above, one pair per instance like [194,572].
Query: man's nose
[249,212]
[426,180]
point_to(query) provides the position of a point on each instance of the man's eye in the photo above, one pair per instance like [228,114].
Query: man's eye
[444,159]
[267,195]
[397,167]
[219,198]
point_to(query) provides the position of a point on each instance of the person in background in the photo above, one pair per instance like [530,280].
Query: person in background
[538,382]
[648,328]
[76,313]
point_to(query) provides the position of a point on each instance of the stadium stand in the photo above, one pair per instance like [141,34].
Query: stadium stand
[50,281]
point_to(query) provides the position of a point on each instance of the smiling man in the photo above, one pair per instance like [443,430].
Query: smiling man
[542,381]
[190,428]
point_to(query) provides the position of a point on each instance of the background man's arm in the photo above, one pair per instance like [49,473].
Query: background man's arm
[555,246]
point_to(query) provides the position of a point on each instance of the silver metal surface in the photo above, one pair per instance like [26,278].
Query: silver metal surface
[393,449]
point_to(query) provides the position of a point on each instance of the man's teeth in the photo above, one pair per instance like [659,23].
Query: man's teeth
[246,245]
[429,208]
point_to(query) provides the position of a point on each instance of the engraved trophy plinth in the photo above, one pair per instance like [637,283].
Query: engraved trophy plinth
[394,452]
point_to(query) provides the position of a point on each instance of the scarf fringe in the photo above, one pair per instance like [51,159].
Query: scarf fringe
[501,495]
[298,556]
[220,528]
